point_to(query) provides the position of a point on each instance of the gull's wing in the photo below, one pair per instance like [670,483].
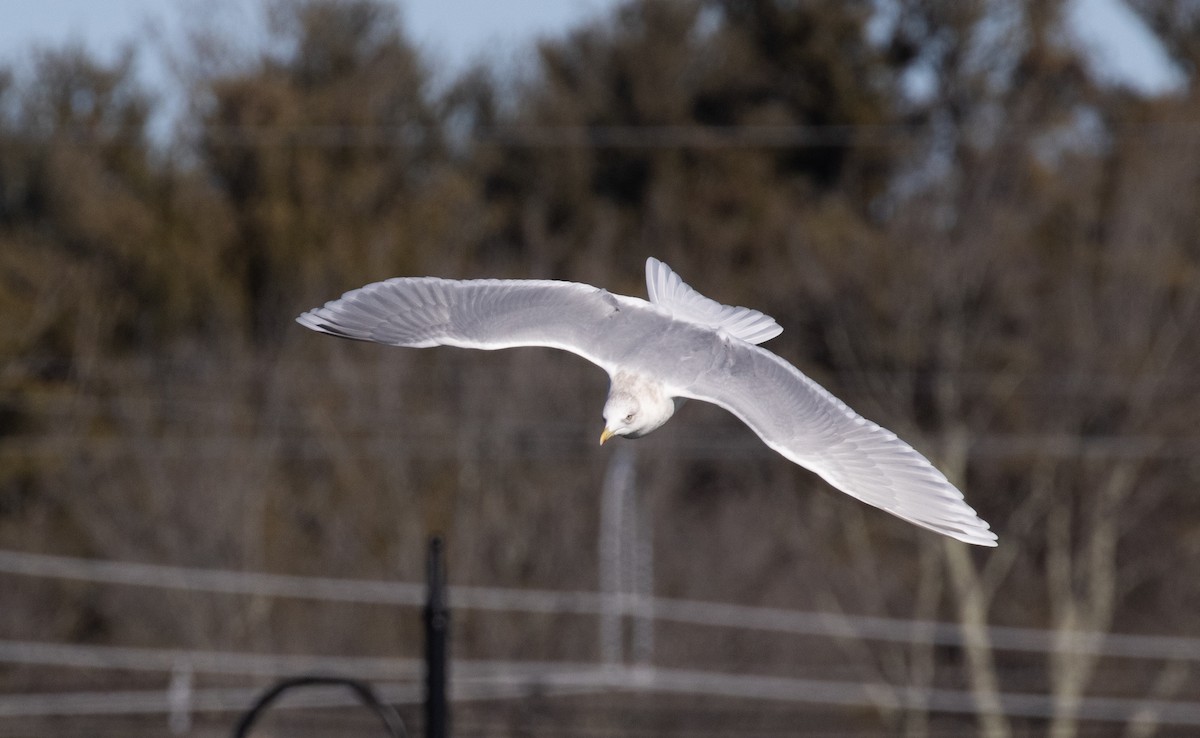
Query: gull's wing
[420,312]
[808,425]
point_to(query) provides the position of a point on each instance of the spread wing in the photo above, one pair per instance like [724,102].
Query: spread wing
[801,420]
[419,312]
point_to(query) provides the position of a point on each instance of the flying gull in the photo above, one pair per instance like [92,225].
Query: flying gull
[677,345]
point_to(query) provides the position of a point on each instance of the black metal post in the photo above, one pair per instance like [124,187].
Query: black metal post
[437,621]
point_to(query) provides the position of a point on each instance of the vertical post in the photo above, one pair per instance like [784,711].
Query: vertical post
[642,581]
[613,552]
[179,698]
[437,621]
[626,565]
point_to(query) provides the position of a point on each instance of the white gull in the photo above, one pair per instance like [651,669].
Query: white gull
[677,345]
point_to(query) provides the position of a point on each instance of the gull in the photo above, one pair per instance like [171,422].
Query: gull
[677,345]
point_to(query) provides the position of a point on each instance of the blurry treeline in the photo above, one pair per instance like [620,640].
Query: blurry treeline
[963,235]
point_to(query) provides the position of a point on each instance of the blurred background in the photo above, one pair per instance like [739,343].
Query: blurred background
[975,220]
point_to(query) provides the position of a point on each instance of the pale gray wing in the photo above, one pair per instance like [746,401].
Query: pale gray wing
[420,312]
[808,425]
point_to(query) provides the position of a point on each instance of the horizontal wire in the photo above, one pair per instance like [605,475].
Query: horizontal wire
[692,612]
[123,368]
[125,658]
[620,679]
[552,438]
[214,580]
[663,136]
[240,663]
[571,136]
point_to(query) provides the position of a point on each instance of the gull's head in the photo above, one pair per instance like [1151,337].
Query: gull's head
[635,407]
[622,417]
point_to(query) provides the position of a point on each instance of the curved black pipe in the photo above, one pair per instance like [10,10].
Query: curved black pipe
[366,695]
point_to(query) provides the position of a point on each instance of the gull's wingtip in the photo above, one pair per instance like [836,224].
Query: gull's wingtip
[656,267]
[977,535]
[309,320]
[987,539]
[317,320]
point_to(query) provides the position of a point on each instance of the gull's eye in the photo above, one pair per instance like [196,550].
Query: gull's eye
[629,418]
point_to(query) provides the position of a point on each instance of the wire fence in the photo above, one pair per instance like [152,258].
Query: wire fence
[486,680]
[473,680]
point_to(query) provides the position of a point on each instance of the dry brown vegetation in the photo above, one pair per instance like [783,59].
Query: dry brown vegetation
[1006,273]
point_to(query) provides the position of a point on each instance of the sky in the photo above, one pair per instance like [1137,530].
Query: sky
[456,31]
[1119,48]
